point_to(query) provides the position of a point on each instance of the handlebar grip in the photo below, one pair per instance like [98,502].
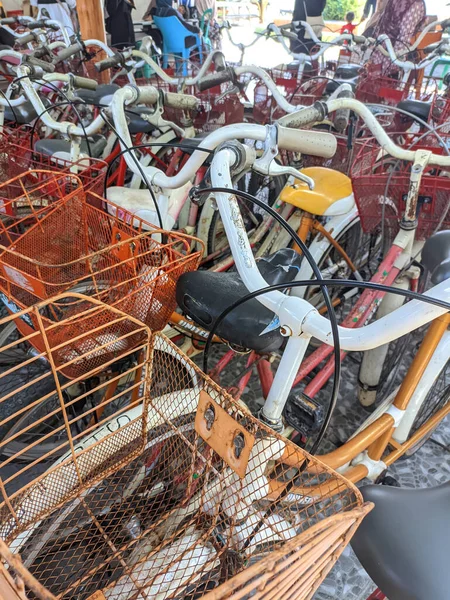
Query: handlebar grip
[8,21]
[290,35]
[51,25]
[220,62]
[359,39]
[342,116]
[40,52]
[209,81]
[445,24]
[42,64]
[109,63]
[68,52]
[431,48]
[36,24]
[316,143]
[22,41]
[85,83]
[147,94]
[181,101]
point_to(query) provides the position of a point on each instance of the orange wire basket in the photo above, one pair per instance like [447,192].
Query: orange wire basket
[86,244]
[17,156]
[381,184]
[183,495]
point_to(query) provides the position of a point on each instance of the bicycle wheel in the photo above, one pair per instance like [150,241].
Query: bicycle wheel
[30,430]
[17,354]
[124,505]
[438,396]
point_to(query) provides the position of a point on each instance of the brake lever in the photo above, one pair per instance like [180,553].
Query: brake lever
[267,165]
[158,120]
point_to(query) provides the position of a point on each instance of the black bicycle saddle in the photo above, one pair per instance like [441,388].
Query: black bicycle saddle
[204,295]
[404,543]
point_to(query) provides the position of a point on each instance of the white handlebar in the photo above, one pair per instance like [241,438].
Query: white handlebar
[176,80]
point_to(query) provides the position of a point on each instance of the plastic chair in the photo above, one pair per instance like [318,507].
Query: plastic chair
[175,40]
[441,62]
[205,23]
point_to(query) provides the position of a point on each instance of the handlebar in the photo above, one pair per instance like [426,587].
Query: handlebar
[8,21]
[84,83]
[213,79]
[110,62]
[42,64]
[66,53]
[342,115]
[25,39]
[42,24]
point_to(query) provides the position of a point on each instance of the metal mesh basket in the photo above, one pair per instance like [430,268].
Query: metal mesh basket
[342,159]
[189,497]
[381,184]
[379,89]
[103,252]
[17,156]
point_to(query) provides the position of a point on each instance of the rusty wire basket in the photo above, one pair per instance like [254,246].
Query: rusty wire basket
[185,495]
[17,156]
[381,184]
[86,244]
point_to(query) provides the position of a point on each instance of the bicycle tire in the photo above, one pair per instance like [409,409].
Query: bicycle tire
[162,382]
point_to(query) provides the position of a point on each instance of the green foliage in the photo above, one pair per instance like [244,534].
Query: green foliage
[336,10]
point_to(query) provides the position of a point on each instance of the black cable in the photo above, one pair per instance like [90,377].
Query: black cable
[33,127]
[346,283]
[333,321]
[138,165]
[181,145]
[73,106]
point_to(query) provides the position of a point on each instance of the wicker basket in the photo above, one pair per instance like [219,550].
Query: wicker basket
[185,495]
[82,246]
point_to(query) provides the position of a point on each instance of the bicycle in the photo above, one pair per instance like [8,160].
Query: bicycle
[153,499]
[377,431]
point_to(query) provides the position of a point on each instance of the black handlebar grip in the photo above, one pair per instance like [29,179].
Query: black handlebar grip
[66,53]
[36,24]
[431,48]
[342,115]
[209,81]
[53,26]
[22,41]
[45,66]
[109,63]
[220,62]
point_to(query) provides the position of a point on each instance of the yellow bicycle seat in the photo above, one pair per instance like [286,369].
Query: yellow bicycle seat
[330,187]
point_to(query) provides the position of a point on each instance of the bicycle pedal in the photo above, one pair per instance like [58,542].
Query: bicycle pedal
[304,414]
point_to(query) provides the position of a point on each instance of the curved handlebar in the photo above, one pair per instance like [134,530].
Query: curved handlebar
[110,62]
[66,53]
